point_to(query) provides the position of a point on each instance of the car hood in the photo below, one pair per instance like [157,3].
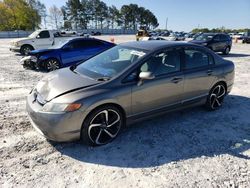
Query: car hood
[19,40]
[62,82]
[35,52]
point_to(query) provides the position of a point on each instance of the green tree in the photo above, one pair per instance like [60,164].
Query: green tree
[18,15]
[86,12]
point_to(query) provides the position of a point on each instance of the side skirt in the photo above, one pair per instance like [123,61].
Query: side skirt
[172,108]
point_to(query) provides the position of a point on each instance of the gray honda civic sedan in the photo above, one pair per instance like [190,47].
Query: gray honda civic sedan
[94,100]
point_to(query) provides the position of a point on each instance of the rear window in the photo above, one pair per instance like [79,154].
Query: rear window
[86,44]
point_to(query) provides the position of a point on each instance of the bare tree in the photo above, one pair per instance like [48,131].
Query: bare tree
[56,16]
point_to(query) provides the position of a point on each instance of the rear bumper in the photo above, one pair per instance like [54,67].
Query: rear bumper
[59,127]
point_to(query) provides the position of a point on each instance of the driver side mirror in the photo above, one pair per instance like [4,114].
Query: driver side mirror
[145,76]
[38,36]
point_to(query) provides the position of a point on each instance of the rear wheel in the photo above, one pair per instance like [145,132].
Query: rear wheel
[51,65]
[226,51]
[216,97]
[102,126]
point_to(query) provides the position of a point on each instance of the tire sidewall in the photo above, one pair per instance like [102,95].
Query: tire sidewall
[25,46]
[208,102]
[85,126]
[46,64]
[225,51]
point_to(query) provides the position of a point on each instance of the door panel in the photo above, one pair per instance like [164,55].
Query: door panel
[198,74]
[218,43]
[44,40]
[165,89]
[158,93]
[197,83]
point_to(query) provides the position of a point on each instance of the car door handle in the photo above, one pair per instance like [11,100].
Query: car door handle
[209,72]
[176,80]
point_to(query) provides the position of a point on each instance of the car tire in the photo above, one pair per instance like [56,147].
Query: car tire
[25,49]
[51,64]
[216,97]
[226,51]
[102,125]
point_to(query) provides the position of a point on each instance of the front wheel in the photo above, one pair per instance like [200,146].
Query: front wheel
[102,126]
[216,97]
[25,50]
[51,65]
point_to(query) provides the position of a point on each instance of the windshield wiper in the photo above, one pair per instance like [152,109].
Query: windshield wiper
[105,78]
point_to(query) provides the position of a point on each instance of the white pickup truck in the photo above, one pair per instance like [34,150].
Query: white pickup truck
[40,39]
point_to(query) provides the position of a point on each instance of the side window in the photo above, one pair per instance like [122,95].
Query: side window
[94,43]
[78,44]
[163,63]
[195,58]
[44,34]
[85,44]
[217,38]
[73,44]
[224,37]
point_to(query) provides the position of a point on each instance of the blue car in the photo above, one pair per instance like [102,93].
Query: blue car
[65,53]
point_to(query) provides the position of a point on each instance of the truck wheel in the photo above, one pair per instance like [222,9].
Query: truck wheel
[25,49]
[52,64]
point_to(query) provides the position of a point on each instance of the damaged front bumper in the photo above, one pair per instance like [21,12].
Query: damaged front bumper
[29,62]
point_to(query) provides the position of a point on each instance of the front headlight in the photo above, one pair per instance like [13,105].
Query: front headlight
[204,44]
[60,107]
[33,58]
[16,44]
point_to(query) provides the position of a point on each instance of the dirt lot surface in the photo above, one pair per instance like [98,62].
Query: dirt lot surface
[191,148]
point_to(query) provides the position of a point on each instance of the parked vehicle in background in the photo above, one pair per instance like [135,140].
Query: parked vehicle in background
[180,36]
[40,39]
[142,33]
[152,38]
[197,34]
[218,42]
[172,37]
[68,33]
[129,82]
[96,33]
[189,36]
[65,53]
[246,37]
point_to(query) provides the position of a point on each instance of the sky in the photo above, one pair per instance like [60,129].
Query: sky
[184,15]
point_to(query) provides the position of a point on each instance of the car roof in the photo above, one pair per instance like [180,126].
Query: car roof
[215,34]
[89,39]
[153,45]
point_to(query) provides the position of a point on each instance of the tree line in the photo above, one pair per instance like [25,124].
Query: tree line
[219,30]
[75,14]
[96,14]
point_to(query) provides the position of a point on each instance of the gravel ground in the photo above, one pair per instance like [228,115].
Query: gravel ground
[191,148]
